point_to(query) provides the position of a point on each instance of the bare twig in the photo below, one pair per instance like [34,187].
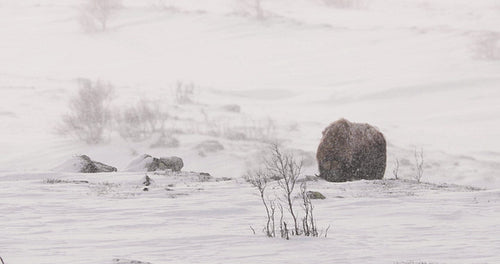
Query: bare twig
[282,228]
[306,205]
[287,169]
[287,237]
[314,229]
[395,171]
[272,207]
[419,163]
[326,231]
[260,179]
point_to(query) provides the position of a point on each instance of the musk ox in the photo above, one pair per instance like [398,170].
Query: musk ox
[351,151]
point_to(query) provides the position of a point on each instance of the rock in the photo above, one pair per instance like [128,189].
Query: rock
[204,177]
[315,195]
[101,167]
[173,163]
[147,181]
[129,261]
[223,179]
[308,178]
[148,163]
[87,166]
[209,146]
[84,164]
[351,151]
[155,164]
[166,142]
[232,108]
[235,135]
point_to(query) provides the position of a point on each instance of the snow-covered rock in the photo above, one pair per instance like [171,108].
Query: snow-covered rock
[173,163]
[146,162]
[315,195]
[84,164]
[129,261]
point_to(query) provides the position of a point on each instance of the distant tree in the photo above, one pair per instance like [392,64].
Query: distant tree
[98,12]
[257,6]
[253,8]
[487,46]
[90,113]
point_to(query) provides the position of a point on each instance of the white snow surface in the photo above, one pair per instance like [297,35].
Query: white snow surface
[73,164]
[425,73]
[139,163]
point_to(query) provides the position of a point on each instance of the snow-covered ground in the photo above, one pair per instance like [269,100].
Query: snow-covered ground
[184,220]
[426,73]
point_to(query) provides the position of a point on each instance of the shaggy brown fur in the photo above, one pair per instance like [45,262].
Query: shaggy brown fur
[351,151]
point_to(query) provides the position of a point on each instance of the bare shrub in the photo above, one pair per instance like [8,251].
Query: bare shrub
[95,14]
[260,179]
[283,171]
[284,232]
[209,146]
[54,181]
[184,93]
[167,5]
[129,261]
[131,125]
[141,121]
[264,130]
[234,108]
[395,170]
[251,129]
[57,181]
[166,141]
[308,224]
[344,3]
[90,113]
[284,166]
[240,128]
[487,47]
[252,8]
[419,164]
